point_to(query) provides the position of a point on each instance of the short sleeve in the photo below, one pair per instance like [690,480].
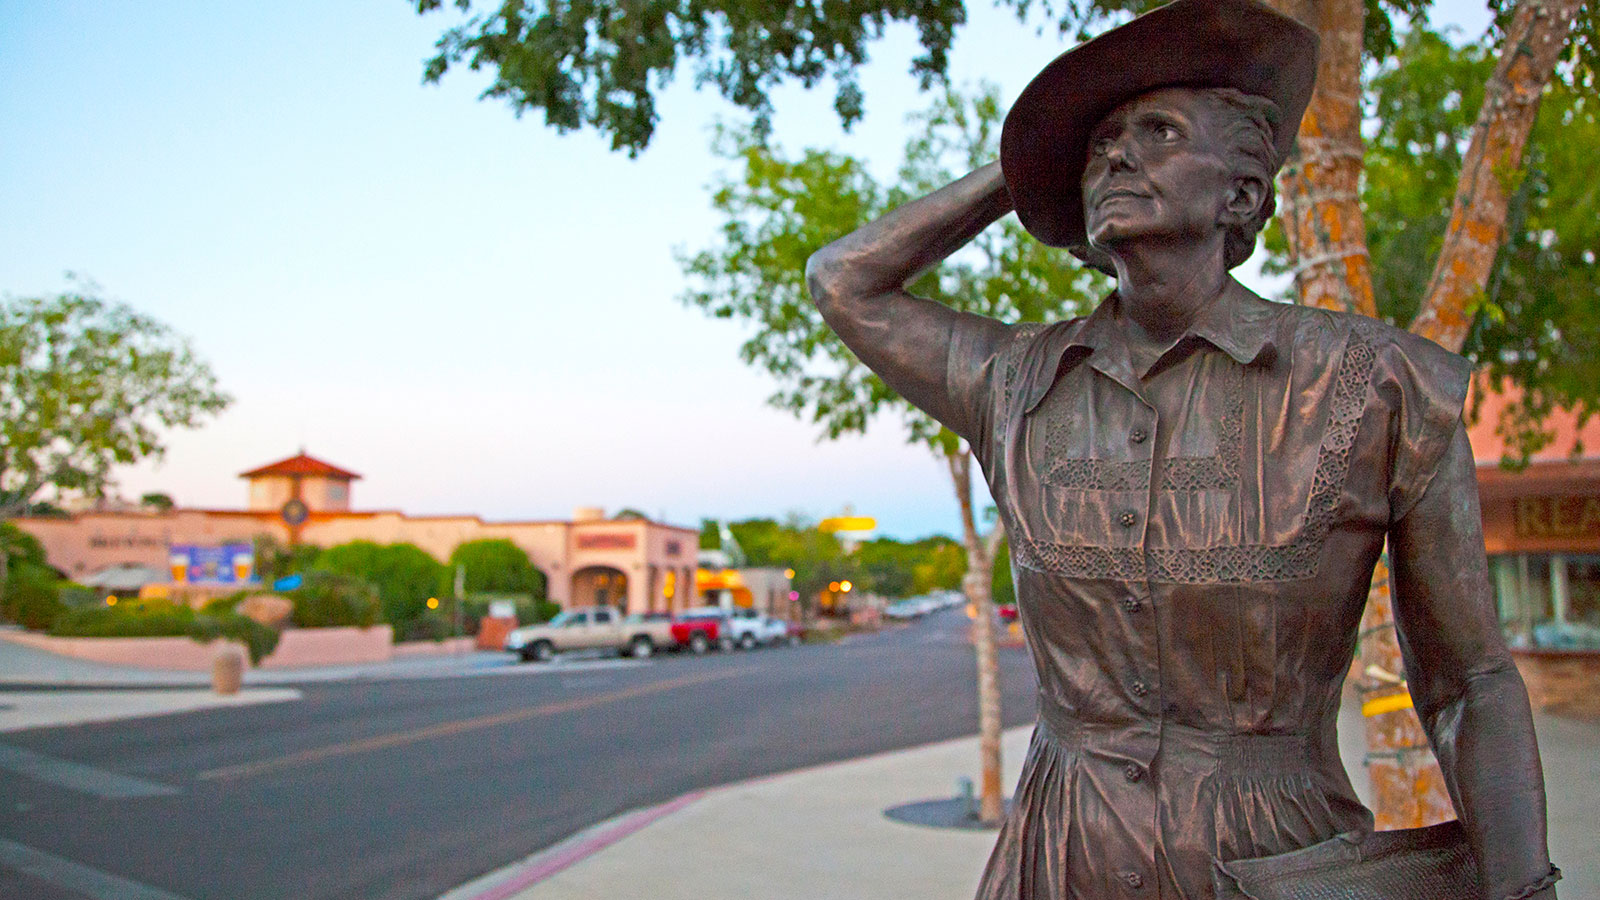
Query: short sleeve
[1425,388]
[976,345]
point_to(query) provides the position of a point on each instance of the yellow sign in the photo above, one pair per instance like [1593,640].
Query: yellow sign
[1377,706]
[725,580]
[847,523]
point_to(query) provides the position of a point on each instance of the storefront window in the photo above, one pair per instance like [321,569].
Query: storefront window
[1549,600]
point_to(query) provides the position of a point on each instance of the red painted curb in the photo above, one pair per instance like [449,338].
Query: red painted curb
[589,846]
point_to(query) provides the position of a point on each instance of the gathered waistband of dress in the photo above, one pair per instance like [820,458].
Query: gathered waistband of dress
[1231,751]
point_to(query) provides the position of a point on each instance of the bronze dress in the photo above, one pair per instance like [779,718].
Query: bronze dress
[1192,552]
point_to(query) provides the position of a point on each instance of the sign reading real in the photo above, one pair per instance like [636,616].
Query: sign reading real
[1558,517]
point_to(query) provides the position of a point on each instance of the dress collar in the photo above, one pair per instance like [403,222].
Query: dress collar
[1238,323]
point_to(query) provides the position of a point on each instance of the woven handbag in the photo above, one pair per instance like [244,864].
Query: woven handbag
[1432,863]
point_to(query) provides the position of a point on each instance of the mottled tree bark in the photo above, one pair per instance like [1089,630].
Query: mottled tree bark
[1492,167]
[1319,186]
[1320,211]
[977,585]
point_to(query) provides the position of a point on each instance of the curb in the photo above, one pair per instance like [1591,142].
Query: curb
[519,876]
[506,881]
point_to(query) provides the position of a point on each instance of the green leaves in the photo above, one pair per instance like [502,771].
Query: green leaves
[777,210]
[85,385]
[497,566]
[598,63]
[1538,324]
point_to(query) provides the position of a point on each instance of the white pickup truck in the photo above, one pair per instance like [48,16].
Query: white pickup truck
[592,628]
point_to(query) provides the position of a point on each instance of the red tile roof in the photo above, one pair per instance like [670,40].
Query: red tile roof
[301,464]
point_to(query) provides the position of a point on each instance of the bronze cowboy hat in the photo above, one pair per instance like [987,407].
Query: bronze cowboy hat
[1190,43]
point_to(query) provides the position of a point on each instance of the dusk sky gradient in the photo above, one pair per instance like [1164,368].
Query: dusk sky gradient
[477,314]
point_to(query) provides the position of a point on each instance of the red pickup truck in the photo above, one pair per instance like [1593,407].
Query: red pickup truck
[704,628]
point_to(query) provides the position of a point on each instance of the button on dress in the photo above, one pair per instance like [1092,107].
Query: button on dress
[1192,548]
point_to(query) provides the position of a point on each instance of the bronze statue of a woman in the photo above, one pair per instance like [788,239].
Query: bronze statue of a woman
[1197,482]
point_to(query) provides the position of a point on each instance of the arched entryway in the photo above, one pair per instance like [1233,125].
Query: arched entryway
[599,586]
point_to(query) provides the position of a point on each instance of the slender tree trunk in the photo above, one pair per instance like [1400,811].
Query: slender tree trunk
[1322,220]
[979,590]
[1319,187]
[1492,168]
[1321,216]
[1406,781]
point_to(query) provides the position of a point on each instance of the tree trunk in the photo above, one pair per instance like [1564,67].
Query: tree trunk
[1319,187]
[1408,790]
[5,569]
[1492,168]
[979,590]
[1321,216]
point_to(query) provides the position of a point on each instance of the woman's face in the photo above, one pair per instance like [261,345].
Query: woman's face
[1156,170]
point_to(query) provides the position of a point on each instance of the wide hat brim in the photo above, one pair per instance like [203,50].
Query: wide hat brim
[1190,43]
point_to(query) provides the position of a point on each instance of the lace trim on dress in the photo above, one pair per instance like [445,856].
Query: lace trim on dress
[1248,562]
[1182,473]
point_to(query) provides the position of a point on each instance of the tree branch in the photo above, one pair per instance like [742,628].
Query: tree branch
[1492,168]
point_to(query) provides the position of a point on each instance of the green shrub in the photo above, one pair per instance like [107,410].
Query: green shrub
[129,618]
[225,605]
[259,640]
[32,595]
[497,566]
[404,574]
[331,600]
[163,618]
[430,626]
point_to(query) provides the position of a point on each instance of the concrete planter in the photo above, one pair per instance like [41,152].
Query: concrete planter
[298,647]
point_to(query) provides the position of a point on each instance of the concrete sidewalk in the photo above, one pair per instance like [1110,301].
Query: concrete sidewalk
[821,833]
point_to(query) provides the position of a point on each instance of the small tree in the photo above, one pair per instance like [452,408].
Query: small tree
[30,594]
[404,575]
[158,502]
[275,559]
[498,566]
[87,385]
[781,211]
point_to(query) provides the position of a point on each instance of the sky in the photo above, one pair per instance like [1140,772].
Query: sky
[475,313]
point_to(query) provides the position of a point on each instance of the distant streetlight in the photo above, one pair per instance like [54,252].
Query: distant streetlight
[433,602]
[845,586]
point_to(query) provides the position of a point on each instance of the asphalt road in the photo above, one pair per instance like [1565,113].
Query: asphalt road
[405,789]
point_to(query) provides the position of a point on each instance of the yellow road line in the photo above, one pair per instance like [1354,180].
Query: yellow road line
[445,729]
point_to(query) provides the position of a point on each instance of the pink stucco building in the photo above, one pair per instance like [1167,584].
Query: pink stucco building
[639,564]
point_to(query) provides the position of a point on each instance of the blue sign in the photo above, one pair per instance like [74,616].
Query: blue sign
[212,564]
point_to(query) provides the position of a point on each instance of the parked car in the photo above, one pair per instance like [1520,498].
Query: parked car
[592,628]
[753,629]
[705,627]
[781,631]
[702,628]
